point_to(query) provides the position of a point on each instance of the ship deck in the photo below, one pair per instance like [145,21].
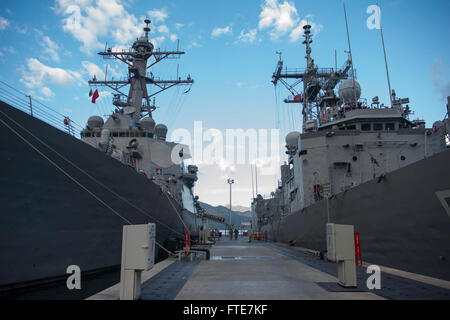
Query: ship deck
[239,270]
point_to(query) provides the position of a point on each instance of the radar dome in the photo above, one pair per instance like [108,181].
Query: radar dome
[95,122]
[349,90]
[161,131]
[148,124]
[292,138]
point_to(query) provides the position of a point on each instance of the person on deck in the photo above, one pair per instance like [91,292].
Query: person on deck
[236,234]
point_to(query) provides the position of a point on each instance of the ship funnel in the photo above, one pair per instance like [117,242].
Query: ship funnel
[148,124]
[161,132]
[95,122]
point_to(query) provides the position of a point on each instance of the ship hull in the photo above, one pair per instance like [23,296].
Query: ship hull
[403,219]
[50,220]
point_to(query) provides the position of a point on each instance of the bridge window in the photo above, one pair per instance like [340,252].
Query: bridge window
[366,127]
[390,126]
[377,126]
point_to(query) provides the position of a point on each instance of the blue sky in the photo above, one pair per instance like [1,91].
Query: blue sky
[230,48]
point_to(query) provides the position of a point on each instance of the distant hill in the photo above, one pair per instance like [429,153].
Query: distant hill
[238,208]
[236,216]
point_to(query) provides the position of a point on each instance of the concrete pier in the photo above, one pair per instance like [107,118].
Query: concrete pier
[239,270]
[256,271]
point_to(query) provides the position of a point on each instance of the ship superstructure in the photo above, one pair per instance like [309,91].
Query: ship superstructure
[345,141]
[348,144]
[131,135]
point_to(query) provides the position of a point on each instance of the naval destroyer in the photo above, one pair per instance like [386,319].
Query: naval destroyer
[64,201]
[367,165]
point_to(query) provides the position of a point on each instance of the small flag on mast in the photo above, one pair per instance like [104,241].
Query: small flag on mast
[95,96]
[90,93]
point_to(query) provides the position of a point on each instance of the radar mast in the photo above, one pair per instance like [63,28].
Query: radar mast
[137,101]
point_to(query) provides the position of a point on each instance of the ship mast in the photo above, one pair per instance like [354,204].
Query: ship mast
[138,98]
[318,94]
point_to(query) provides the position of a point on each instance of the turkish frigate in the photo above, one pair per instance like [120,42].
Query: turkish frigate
[367,165]
[64,201]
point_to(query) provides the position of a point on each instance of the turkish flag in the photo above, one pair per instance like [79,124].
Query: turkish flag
[95,96]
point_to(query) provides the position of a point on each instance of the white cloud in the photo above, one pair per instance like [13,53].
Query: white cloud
[224,165]
[47,92]
[240,84]
[247,37]
[22,30]
[3,23]
[221,31]
[279,17]
[39,74]
[51,48]
[93,70]
[173,37]
[163,29]
[179,26]
[193,44]
[88,20]
[158,15]
[157,41]
[283,18]
[298,31]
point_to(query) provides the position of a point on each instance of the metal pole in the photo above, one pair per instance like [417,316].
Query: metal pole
[385,61]
[31,106]
[230,182]
[350,54]
[256,178]
[253,187]
[230,205]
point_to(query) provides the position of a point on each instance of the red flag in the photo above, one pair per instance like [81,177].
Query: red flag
[96,95]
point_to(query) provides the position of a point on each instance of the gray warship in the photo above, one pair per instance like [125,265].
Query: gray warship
[367,165]
[64,200]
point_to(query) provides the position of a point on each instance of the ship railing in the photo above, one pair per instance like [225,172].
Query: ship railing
[37,109]
[304,70]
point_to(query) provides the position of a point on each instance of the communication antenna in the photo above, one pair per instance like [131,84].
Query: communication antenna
[385,61]
[335,60]
[279,53]
[350,55]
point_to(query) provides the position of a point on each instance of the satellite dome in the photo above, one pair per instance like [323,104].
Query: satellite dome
[349,90]
[161,131]
[95,122]
[148,124]
[292,138]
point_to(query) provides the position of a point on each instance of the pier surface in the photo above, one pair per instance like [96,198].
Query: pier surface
[257,271]
[240,270]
